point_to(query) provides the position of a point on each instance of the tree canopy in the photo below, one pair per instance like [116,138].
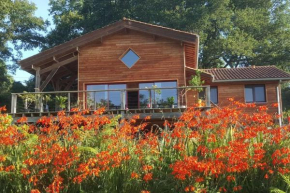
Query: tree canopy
[233,32]
[19,29]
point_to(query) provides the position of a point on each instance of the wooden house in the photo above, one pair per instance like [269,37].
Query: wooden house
[135,65]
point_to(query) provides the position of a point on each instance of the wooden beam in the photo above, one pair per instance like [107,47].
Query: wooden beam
[48,79]
[70,82]
[37,78]
[59,64]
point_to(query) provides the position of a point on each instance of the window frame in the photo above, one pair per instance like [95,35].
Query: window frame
[128,49]
[107,91]
[253,86]
[160,81]
[217,94]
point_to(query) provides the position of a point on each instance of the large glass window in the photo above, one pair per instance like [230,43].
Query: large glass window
[255,93]
[103,97]
[158,97]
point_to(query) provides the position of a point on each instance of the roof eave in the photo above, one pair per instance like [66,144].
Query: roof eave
[249,80]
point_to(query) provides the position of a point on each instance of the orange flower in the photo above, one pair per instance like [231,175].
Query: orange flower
[231,178]
[34,191]
[25,171]
[147,177]
[147,168]
[145,191]
[134,175]
[237,188]
[3,108]
[147,117]
[22,120]
[199,179]
[189,189]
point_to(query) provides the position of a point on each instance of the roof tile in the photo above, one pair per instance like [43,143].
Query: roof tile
[255,72]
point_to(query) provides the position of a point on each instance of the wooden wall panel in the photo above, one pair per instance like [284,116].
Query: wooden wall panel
[190,51]
[237,91]
[161,59]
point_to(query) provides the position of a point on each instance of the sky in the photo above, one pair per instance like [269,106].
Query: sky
[42,11]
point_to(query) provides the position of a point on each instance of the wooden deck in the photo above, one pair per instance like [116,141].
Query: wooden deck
[155,113]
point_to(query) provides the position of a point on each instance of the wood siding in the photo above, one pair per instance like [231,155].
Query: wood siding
[236,90]
[190,51]
[160,59]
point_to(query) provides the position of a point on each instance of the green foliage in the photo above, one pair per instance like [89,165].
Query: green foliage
[286,179]
[20,29]
[196,81]
[233,32]
[170,101]
[61,101]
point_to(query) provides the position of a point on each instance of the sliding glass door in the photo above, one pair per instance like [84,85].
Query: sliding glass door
[158,97]
[105,95]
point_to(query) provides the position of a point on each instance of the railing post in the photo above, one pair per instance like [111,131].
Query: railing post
[207,96]
[95,105]
[13,103]
[26,105]
[123,100]
[40,104]
[68,101]
[150,99]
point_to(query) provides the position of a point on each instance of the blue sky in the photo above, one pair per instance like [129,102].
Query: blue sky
[42,11]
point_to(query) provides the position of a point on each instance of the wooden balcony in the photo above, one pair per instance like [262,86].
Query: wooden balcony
[159,103]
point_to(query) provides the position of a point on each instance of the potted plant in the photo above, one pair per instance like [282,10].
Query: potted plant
[195,81]
[157,93]
[170,101]
[61,102]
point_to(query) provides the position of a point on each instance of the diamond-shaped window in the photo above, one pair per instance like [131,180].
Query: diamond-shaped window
[130,58]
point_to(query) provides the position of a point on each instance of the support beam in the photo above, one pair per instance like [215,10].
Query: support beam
[37,78]
[59,64]
[48,79]
[70,82]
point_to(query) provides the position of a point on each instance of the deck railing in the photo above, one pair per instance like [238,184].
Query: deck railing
[122,99]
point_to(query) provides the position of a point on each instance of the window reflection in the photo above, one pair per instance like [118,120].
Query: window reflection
[109,99]
[214,94]
[255,93]
[158,98]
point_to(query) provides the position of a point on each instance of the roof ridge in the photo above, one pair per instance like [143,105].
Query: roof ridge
[159,26]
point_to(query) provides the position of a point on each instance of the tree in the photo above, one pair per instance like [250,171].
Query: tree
[233,32]
[19,29]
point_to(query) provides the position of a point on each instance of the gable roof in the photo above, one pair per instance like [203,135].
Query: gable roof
[72,45]
[247,74]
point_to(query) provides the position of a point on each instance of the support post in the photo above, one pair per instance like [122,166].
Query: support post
[68,101]
[207,96]
[40,103]
[150,98]
[13,103]
[123,100]
[26,105]
[37,78]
